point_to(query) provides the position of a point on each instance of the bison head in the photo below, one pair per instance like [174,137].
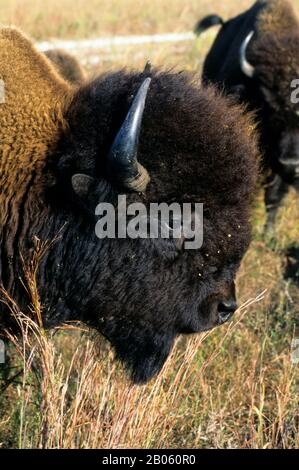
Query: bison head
[160,142]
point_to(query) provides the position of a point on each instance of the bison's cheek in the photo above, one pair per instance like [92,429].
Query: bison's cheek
[202,319]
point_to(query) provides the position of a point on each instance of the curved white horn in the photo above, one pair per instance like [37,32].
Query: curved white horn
[246,67]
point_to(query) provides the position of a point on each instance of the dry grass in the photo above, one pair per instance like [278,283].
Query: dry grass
[64,19]
[97,18]
[233,387]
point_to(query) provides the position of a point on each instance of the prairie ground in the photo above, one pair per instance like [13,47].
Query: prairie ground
[234,387]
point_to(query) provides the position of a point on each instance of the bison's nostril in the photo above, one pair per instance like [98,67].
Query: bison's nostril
[226,309]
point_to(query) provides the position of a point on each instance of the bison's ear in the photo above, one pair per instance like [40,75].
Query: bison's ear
[123,169]
[83,184]
[91,192]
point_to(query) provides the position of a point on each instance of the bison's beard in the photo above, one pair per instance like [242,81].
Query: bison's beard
[143,353]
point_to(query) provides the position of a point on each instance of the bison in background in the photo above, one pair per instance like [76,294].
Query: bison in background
[256,57]
[155,136]
[67,66]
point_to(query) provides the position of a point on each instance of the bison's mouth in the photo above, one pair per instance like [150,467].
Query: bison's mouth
[145,354]
[143,345]
[211,313]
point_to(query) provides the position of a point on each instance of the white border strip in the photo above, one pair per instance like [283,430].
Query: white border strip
[109,43]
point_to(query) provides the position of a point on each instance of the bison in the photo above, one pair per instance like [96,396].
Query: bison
[67,65]
[256,57]
[155,136]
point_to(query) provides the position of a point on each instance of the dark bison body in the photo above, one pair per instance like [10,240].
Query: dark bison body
[63,150]
[256,57]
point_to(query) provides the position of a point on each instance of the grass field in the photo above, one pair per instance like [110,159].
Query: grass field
[234,387]
[55,18]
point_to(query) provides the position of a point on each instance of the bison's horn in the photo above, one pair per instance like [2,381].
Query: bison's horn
[123,166]
[147,67]
[246,67]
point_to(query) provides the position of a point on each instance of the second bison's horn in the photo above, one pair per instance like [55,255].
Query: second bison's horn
[123,166]
[246,67]
[147,67]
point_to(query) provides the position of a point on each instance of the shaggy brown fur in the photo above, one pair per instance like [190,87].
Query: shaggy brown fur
[31,119]
[67,65]
[278,18]
[196,145]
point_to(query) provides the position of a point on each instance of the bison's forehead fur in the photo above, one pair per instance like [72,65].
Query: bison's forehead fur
[197,145]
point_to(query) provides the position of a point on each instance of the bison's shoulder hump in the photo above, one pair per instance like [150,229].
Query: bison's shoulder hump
[33,92]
